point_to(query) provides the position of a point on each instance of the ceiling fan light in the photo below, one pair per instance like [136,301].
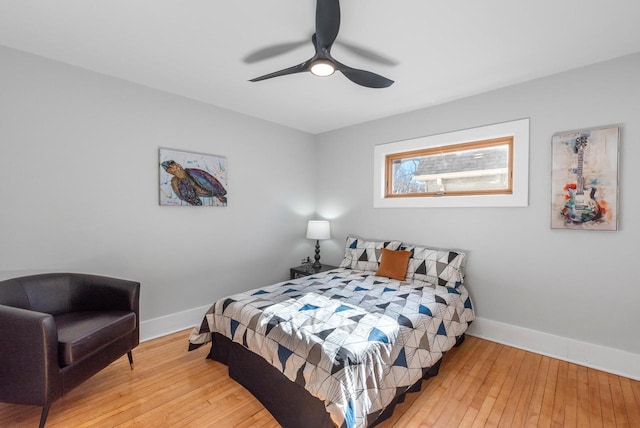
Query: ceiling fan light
[322,68]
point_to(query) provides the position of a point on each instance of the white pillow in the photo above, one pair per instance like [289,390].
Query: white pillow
[362,254]
[440,267]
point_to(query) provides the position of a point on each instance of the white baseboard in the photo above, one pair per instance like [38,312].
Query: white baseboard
[599,357]
[162,326]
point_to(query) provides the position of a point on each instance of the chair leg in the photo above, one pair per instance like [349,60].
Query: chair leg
[130,355]
[43,416]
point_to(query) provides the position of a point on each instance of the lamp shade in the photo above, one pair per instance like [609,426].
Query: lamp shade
[318,229]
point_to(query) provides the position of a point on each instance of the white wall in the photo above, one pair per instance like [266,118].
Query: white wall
[574,284]
[79,187]
[79,192]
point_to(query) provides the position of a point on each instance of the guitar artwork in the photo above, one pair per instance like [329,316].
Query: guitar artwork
[579,208]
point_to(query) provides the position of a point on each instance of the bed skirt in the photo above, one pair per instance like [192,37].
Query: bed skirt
[289,403]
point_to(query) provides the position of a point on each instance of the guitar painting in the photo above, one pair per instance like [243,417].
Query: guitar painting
[585,179]
[578,208]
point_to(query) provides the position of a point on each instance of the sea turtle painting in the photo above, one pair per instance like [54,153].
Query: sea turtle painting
[192,184]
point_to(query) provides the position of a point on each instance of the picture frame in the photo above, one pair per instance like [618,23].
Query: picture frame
[192,179]
[584,179]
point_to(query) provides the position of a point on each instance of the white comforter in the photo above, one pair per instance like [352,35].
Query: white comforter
[352,339]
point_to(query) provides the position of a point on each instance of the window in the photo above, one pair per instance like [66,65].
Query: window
[478,167]
[475,168]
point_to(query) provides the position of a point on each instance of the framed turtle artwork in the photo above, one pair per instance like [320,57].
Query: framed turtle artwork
[584,179]
[192,179]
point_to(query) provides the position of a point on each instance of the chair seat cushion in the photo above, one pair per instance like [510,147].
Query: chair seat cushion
[81,334]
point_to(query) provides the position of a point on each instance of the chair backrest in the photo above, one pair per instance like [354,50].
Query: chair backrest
[48,293]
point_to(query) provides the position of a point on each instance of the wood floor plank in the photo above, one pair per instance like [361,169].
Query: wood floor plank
[595,417]
[537,394]
[519,390]
[606,401]
[454,385]
[503,365]
[559,401]
[467,382]
[635,385]
[260,419]
[475,406]
[465,393]
[495,374]
[631,405]
[619,406]
[571,400]
[505,391]
[141,400]
[521,411]
[583,397]
[546,410]
[480,384]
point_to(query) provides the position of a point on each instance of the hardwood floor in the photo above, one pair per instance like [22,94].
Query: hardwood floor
[481,383]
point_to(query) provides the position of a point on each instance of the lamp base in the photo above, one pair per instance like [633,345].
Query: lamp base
[317,265]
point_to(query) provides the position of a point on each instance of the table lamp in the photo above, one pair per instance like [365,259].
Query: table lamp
[318,229]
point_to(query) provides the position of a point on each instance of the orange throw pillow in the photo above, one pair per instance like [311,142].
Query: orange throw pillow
[393,264]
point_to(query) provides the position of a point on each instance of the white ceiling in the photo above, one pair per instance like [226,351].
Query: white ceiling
[444,50]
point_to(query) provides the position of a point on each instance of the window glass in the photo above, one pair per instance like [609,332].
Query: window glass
[474,168]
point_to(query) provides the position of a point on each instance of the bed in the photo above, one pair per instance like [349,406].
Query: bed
[342,347]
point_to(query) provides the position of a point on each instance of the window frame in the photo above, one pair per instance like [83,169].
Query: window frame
[518,129]
[429,151]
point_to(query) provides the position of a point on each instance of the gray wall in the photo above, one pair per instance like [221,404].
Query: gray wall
[575,284]
[79,187]
[79,192]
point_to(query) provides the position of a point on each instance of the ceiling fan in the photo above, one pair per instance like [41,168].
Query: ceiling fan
[322,63]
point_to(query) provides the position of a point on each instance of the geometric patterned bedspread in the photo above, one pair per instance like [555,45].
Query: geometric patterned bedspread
[350,338]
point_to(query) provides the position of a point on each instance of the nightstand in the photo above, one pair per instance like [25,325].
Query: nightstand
[300,271]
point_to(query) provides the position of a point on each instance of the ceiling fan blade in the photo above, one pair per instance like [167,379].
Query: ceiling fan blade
[271,51]
[367,53]
[363,77]
[291,70]
[327,23]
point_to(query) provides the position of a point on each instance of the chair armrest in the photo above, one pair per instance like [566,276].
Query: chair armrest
[93,292]
[29,366]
